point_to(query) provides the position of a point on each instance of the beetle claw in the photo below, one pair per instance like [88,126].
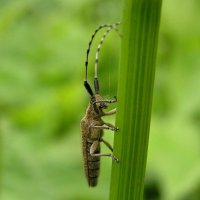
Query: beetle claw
[115,159]
[116,129]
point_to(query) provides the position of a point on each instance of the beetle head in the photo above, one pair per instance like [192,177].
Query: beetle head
[97,104]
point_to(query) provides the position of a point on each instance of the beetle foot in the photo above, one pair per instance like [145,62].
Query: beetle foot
[115,159]
[115,129]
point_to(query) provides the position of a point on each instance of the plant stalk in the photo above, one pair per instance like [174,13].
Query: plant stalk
[141,19]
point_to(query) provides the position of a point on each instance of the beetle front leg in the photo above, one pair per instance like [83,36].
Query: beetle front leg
[106,101]
[94,147]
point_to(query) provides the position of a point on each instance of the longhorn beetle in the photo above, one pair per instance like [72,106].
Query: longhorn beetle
[92,125]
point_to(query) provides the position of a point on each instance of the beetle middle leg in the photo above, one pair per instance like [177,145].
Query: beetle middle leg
[94,147]
[110,127]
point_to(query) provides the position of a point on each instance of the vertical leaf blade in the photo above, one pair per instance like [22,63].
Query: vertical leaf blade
[135,90]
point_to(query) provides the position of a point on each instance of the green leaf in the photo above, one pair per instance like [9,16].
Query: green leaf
[135,90]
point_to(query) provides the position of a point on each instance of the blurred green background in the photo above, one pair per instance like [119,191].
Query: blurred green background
[42,99]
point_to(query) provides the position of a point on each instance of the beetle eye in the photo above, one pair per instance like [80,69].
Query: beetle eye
[103,106]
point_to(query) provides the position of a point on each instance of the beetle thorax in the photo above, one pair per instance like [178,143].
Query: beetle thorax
[91,111]
[95,108]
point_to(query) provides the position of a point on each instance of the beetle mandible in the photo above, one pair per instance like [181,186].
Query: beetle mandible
[92,124]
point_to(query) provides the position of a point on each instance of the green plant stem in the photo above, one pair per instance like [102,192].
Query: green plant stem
[135,90]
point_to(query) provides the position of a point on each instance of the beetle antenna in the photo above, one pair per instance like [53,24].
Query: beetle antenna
[86,84]
[96,82]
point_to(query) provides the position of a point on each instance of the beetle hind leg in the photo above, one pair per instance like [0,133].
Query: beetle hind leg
[107,144]
[94,147]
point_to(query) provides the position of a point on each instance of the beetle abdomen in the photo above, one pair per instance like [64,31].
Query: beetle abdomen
[93,165]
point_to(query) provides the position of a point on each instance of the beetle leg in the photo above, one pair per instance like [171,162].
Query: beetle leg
[107,144]
[93,148]
[111,126]
[104,127]
[111,112]
[106,101]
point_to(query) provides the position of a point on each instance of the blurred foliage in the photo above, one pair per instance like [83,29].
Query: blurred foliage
[42,53]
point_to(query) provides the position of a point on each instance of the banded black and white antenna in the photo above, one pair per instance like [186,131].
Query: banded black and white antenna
[96,82]
[110,27]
